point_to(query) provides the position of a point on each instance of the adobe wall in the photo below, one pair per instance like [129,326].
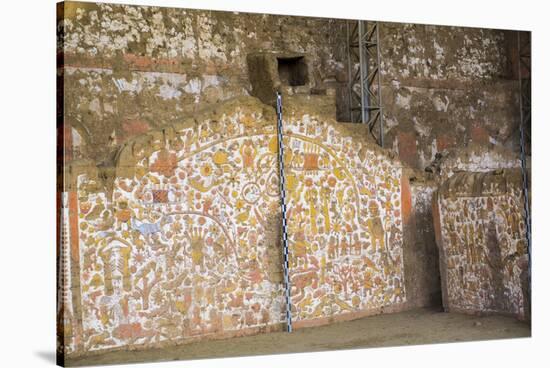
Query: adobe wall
[132,79]
[132,69]
[446,88]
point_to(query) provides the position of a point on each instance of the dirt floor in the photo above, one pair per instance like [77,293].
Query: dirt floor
[418,326]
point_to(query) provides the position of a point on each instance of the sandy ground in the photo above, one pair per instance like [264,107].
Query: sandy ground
[418,326]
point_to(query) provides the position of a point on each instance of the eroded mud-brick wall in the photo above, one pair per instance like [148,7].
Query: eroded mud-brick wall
[480,230]
[139,68]
[131,69]
[447,87]
[180,240]
[476,158]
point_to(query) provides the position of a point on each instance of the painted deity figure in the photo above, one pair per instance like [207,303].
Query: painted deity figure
[248,152]
[375,227]
[196,241]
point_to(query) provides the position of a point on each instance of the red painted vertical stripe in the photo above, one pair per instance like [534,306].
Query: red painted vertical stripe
[406,200]
[73,226]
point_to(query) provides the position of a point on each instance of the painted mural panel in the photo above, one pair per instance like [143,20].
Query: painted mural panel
[186,243]
[345,222]
[483,245]
[180,249]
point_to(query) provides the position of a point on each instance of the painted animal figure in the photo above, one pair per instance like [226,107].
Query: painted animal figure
[146,228]
[300,249]
[301,281]
[376,232]
[133,332]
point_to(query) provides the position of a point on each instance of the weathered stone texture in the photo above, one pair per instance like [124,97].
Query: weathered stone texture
[480,231]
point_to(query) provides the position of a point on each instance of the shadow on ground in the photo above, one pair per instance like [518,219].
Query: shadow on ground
[48,356]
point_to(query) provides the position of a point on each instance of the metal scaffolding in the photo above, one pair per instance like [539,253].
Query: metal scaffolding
[365,98]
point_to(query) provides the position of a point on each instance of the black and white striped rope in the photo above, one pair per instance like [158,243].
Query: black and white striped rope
[283,208]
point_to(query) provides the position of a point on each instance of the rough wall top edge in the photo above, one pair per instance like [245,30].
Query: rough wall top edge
[478,184]
[70,6]
[122,163]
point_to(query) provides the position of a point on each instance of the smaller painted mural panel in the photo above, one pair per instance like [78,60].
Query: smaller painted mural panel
[482,244]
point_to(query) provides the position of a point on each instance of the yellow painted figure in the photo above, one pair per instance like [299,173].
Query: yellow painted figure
[375,228]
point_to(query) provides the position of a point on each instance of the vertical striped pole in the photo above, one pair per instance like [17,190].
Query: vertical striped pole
[283,210]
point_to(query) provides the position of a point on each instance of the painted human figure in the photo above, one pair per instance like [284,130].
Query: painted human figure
[375,227]
[325,196]
[300,249]
[196,242]
[116,264]
[357,244]
[248,153]
[123,214]
[470,246]
[332,248]
[311,198]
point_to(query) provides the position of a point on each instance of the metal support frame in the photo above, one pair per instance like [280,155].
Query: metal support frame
[283,210]
[365,99]
[524,78]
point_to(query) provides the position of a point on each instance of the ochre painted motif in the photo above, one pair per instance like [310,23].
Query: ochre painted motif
[344,218]
[189,245]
